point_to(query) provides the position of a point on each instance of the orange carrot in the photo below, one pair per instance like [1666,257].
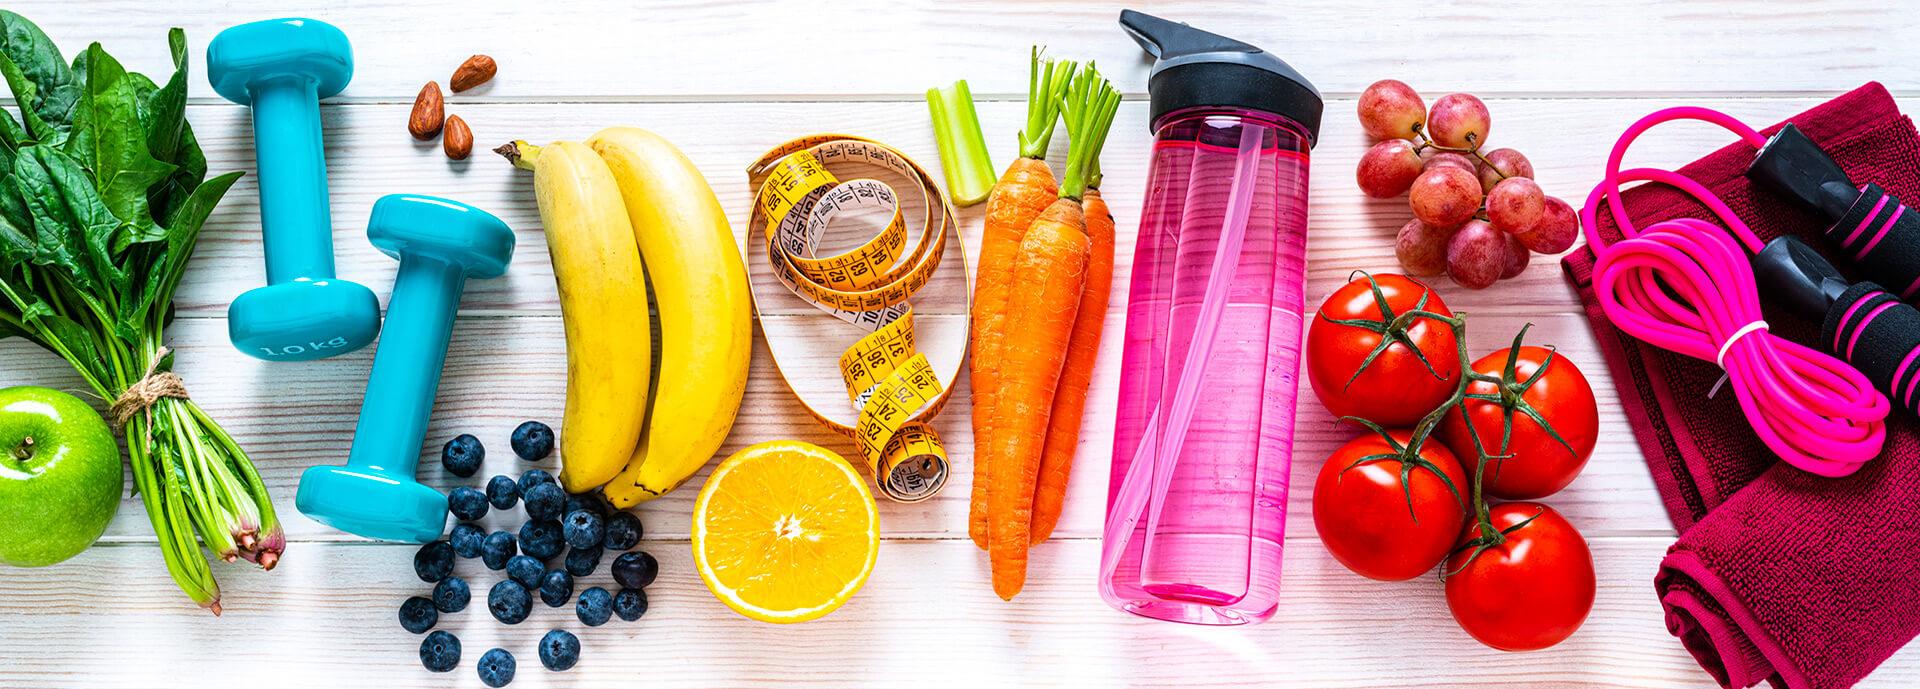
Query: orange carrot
[1026,189]
[1021,195]
[1043,308]
[1070,400]
[1050,270]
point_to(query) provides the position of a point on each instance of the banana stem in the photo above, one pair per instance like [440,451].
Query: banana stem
[520,153]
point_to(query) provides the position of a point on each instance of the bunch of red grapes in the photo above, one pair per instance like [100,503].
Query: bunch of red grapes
[1476,216]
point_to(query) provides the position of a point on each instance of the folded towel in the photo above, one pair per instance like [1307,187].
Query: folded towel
[1778,574]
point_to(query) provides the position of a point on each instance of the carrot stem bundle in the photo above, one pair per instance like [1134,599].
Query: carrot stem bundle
[1023,192]
[1042,311]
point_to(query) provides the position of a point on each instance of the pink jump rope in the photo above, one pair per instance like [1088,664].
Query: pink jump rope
[1687,286]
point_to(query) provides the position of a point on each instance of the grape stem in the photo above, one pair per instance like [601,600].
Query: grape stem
[1421,143]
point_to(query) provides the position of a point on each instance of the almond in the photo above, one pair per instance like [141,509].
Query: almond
[474,72]
[459,141]
[429,112]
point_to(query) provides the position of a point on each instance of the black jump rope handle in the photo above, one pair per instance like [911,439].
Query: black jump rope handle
[1863,324]
[1871,228]
[1876,333]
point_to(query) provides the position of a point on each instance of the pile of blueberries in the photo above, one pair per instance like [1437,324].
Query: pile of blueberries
[582,525]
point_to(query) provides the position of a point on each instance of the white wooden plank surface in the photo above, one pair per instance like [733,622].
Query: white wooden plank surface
[326,618]
[1569,76]
[719,50]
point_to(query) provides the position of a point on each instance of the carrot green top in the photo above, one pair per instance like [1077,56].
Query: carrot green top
[1047,80]
[1089,106]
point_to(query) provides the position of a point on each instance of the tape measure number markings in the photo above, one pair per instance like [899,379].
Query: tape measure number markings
[892,384]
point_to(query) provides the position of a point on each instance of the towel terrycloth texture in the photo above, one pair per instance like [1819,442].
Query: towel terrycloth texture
[1778,574]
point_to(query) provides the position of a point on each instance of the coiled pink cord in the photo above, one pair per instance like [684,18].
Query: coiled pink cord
[1685,286]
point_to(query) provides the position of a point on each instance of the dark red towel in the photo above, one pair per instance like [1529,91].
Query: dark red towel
[1778,574]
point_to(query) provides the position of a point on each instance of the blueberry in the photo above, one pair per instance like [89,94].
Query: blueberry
[417,615]
[496,668]
[440,652]
[582,561]
[559,650]
[635,570]
[533,441]
[461,455]
[467,540]
[534,477]
[595,606]
[630,604]
[542,540]
[497,549]
[544,501]
[503,492]
[508,601]
[467,504]
[583,529]
[434,561]
[623,532]
[591,502]
[451,594]
[526,570]
[556,588]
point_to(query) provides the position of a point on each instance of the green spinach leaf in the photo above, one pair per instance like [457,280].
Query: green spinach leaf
[53,224]
[39,61]
[109,142]
[183,230]
[164,111]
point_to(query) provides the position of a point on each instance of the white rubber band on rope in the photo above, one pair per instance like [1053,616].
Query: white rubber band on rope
[1721,358]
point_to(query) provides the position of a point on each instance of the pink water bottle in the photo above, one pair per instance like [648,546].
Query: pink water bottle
[1197,506]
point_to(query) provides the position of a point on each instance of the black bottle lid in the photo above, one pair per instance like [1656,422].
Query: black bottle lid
[1195,68]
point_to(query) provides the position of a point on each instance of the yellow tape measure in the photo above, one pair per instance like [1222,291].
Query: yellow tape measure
[893,386]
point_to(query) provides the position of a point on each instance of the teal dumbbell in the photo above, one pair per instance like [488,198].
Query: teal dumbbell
[440,245]
[282,68]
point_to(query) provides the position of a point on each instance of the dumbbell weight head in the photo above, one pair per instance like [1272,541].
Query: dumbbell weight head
[425,226]
[244,55]
[303,320]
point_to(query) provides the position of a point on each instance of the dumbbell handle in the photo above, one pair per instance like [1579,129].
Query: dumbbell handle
[406,366]
[296,225]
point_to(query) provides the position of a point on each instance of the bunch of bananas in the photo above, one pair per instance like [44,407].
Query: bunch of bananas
[646,408]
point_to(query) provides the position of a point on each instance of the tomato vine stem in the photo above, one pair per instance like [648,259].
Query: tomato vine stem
[1509,393]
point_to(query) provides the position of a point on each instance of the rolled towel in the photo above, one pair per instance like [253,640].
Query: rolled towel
[1777,574]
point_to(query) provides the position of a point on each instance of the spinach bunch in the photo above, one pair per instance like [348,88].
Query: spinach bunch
[103,190]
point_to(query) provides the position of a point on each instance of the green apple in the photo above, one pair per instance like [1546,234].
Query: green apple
[60,476]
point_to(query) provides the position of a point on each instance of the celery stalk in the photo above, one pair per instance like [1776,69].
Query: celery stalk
[963,151]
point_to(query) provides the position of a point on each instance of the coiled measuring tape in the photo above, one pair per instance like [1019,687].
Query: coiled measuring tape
[894,386]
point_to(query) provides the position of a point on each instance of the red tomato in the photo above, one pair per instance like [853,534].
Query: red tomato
[1527,593]
[1537,465]
[1396,389]
[1363,515]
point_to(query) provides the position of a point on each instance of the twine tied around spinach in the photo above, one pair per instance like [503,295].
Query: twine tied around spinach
[153,386]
